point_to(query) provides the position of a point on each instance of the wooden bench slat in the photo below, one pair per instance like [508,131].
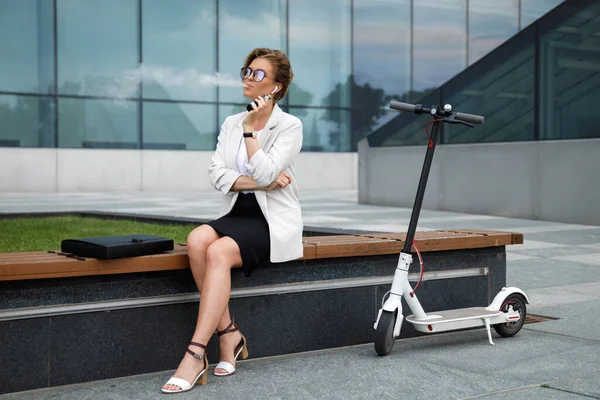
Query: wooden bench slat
[310,251]
[517,238]
[71,267]
[15,259]
[358,249]
[453,240]
[37,265]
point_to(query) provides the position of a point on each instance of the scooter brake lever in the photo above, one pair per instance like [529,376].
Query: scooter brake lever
[451,119]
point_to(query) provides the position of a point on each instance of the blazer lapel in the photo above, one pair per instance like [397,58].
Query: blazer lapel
[270,130]
[234,141]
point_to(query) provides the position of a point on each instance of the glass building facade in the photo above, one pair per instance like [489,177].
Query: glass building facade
[140,74]
[536,86]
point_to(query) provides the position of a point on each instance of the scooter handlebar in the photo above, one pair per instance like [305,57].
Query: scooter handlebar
[406,107]
[472,118]
[397,105]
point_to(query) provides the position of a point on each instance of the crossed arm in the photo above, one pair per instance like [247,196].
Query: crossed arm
[266,168]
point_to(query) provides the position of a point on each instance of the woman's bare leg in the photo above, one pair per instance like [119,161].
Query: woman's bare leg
[198,242]
[221,255]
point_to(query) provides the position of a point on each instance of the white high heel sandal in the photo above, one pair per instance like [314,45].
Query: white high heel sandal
[241,351]
[184,385]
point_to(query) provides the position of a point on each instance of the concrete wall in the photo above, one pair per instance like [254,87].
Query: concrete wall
[547,180]
[94,170]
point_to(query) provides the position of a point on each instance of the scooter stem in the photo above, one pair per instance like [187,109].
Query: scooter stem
[414,218]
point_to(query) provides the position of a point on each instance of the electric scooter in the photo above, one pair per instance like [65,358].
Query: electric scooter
[507,311]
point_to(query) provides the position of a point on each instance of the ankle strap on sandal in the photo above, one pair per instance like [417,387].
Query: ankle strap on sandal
[196,355]
[229,329]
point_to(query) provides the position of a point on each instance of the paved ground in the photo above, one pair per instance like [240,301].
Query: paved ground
[558,266]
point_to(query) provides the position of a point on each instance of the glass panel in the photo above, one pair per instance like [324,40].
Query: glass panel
[502,91]
[490,23]
[26,121]
[320,52]
[179,49]
[382,38]
[179,126]
[570,77]
[98,47]
[382,45]
[97,123]
[369,112]
[324,129]
[226,110]
[27,58]
[531,10]
[243,27]
[405,129]
[440,43]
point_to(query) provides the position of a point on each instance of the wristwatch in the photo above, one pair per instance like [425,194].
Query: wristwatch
[250,135]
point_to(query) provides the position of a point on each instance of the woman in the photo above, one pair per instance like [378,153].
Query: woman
[260,217]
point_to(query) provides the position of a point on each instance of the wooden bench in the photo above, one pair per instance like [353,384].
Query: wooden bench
[151,302]
[53,264]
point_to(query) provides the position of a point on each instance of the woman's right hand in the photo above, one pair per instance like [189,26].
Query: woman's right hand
[280,182]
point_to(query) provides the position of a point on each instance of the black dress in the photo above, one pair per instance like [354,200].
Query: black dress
[247,226]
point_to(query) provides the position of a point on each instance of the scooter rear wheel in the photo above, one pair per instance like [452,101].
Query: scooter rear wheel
[518,303]
[384,335]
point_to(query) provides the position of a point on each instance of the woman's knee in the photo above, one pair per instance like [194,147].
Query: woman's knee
[201,238]
[223,253]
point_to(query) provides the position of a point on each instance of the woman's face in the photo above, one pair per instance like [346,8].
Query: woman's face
[259,68]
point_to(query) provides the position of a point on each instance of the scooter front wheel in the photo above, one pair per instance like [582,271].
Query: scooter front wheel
[384,334]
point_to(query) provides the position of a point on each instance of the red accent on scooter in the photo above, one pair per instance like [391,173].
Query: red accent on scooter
[412,294]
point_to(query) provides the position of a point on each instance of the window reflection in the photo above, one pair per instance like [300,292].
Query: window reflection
[97,47]
[382,46]
[382,39]
[179,126]
[91,123]
[490,23]
[226,110]
[570,77]
[531,10]
[440,41]
[26,121]
[179,48]
[320,48]
[244,26]
[27,46]
[503,93]
[324,129]
[404,129]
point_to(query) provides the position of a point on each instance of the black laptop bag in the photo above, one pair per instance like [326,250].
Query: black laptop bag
[106,247]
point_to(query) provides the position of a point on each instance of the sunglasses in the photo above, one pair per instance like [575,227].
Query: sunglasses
[257,75]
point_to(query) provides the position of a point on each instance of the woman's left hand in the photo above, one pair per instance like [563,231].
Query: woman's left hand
[256,113]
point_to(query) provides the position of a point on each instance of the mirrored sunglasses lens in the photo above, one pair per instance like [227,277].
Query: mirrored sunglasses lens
[245,72]
[259,75]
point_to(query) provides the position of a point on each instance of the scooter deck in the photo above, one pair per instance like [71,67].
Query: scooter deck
[463,318]
[462,314]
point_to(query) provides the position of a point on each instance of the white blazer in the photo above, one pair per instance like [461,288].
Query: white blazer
[279,142]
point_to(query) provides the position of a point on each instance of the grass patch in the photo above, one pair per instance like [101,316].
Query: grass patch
[42,234]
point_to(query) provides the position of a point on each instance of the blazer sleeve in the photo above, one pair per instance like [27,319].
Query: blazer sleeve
[265,167]
[221,177]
